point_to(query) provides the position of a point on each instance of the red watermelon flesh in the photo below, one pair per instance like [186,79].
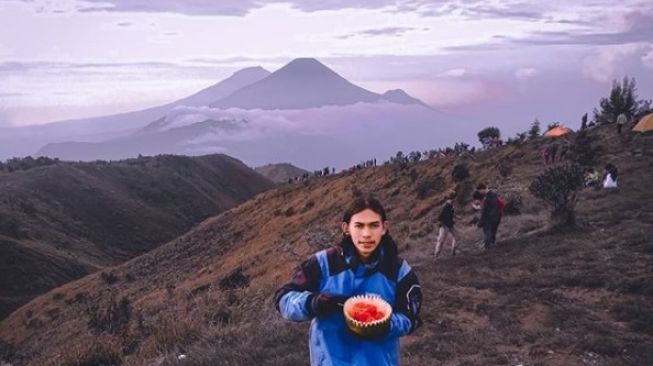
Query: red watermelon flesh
[365,313]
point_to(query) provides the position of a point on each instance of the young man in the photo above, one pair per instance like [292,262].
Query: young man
[446,220]
[366,261]
[490,215]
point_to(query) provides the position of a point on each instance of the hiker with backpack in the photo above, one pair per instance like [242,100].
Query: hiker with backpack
[591,178]
[491,212]
[610,176]
[446,220]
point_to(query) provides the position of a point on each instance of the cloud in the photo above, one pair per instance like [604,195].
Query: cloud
[387,31]
[647,59]
[9,95]
[602,65]
[428,8]
[634,26]
[525,73]
[456,73]
[330,134]
[124,24]
[520,11]
[226,7]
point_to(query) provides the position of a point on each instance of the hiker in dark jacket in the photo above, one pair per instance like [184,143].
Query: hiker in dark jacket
[366,261]
[446,220]
[490,215]
[554,151]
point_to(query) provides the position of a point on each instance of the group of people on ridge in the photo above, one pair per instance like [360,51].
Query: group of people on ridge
[366,261]
[491,208]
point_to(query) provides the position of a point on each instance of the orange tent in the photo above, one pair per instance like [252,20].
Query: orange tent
[557,131]
[645,124]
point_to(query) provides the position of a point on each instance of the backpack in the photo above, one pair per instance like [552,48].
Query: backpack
[501,204]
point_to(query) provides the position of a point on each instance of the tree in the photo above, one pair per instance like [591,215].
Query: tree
[534,131]
[414,156]
[489,137]
[558,187]
[622,99]
[459,172]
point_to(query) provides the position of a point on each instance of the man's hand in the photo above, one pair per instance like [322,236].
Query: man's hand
[324,305]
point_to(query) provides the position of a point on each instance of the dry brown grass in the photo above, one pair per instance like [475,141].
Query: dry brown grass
[577,296]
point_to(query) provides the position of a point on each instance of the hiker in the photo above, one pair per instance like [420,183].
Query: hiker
[446,220]
[546,151]
[610,176]
[365,261]
[591,178]
[563,152]
[554,150]
[491,212]
[621,121]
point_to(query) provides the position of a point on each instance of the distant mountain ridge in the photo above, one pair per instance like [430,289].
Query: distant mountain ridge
[22,141]
[305,83]
[281,172]
[63,221]
[290,101]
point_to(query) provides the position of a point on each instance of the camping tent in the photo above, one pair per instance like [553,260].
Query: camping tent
[557,131]
[645,124]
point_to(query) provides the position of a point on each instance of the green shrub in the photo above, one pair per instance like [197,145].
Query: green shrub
[558,187]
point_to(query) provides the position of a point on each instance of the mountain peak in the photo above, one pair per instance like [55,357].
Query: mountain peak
[395,92]
[300,84]
[401,97]
[254,70]
[306,66]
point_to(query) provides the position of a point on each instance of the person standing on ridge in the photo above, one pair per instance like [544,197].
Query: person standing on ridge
[621,121]
[446,220]
[491,212]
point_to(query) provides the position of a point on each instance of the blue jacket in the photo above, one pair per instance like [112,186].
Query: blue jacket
[337,271]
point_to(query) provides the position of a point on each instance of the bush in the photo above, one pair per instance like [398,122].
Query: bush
[583,150]
[460,172]
[513,205]
[558,187]
[426,186]
[108,278]
[112,319]
[236,279]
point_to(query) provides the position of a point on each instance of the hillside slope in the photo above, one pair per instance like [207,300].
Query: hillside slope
[543,297]
[62,222]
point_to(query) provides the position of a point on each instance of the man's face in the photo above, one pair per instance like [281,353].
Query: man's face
[366,229]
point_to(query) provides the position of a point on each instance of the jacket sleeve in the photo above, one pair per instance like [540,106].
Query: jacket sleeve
[405,318]
[292,299]
[442,213]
